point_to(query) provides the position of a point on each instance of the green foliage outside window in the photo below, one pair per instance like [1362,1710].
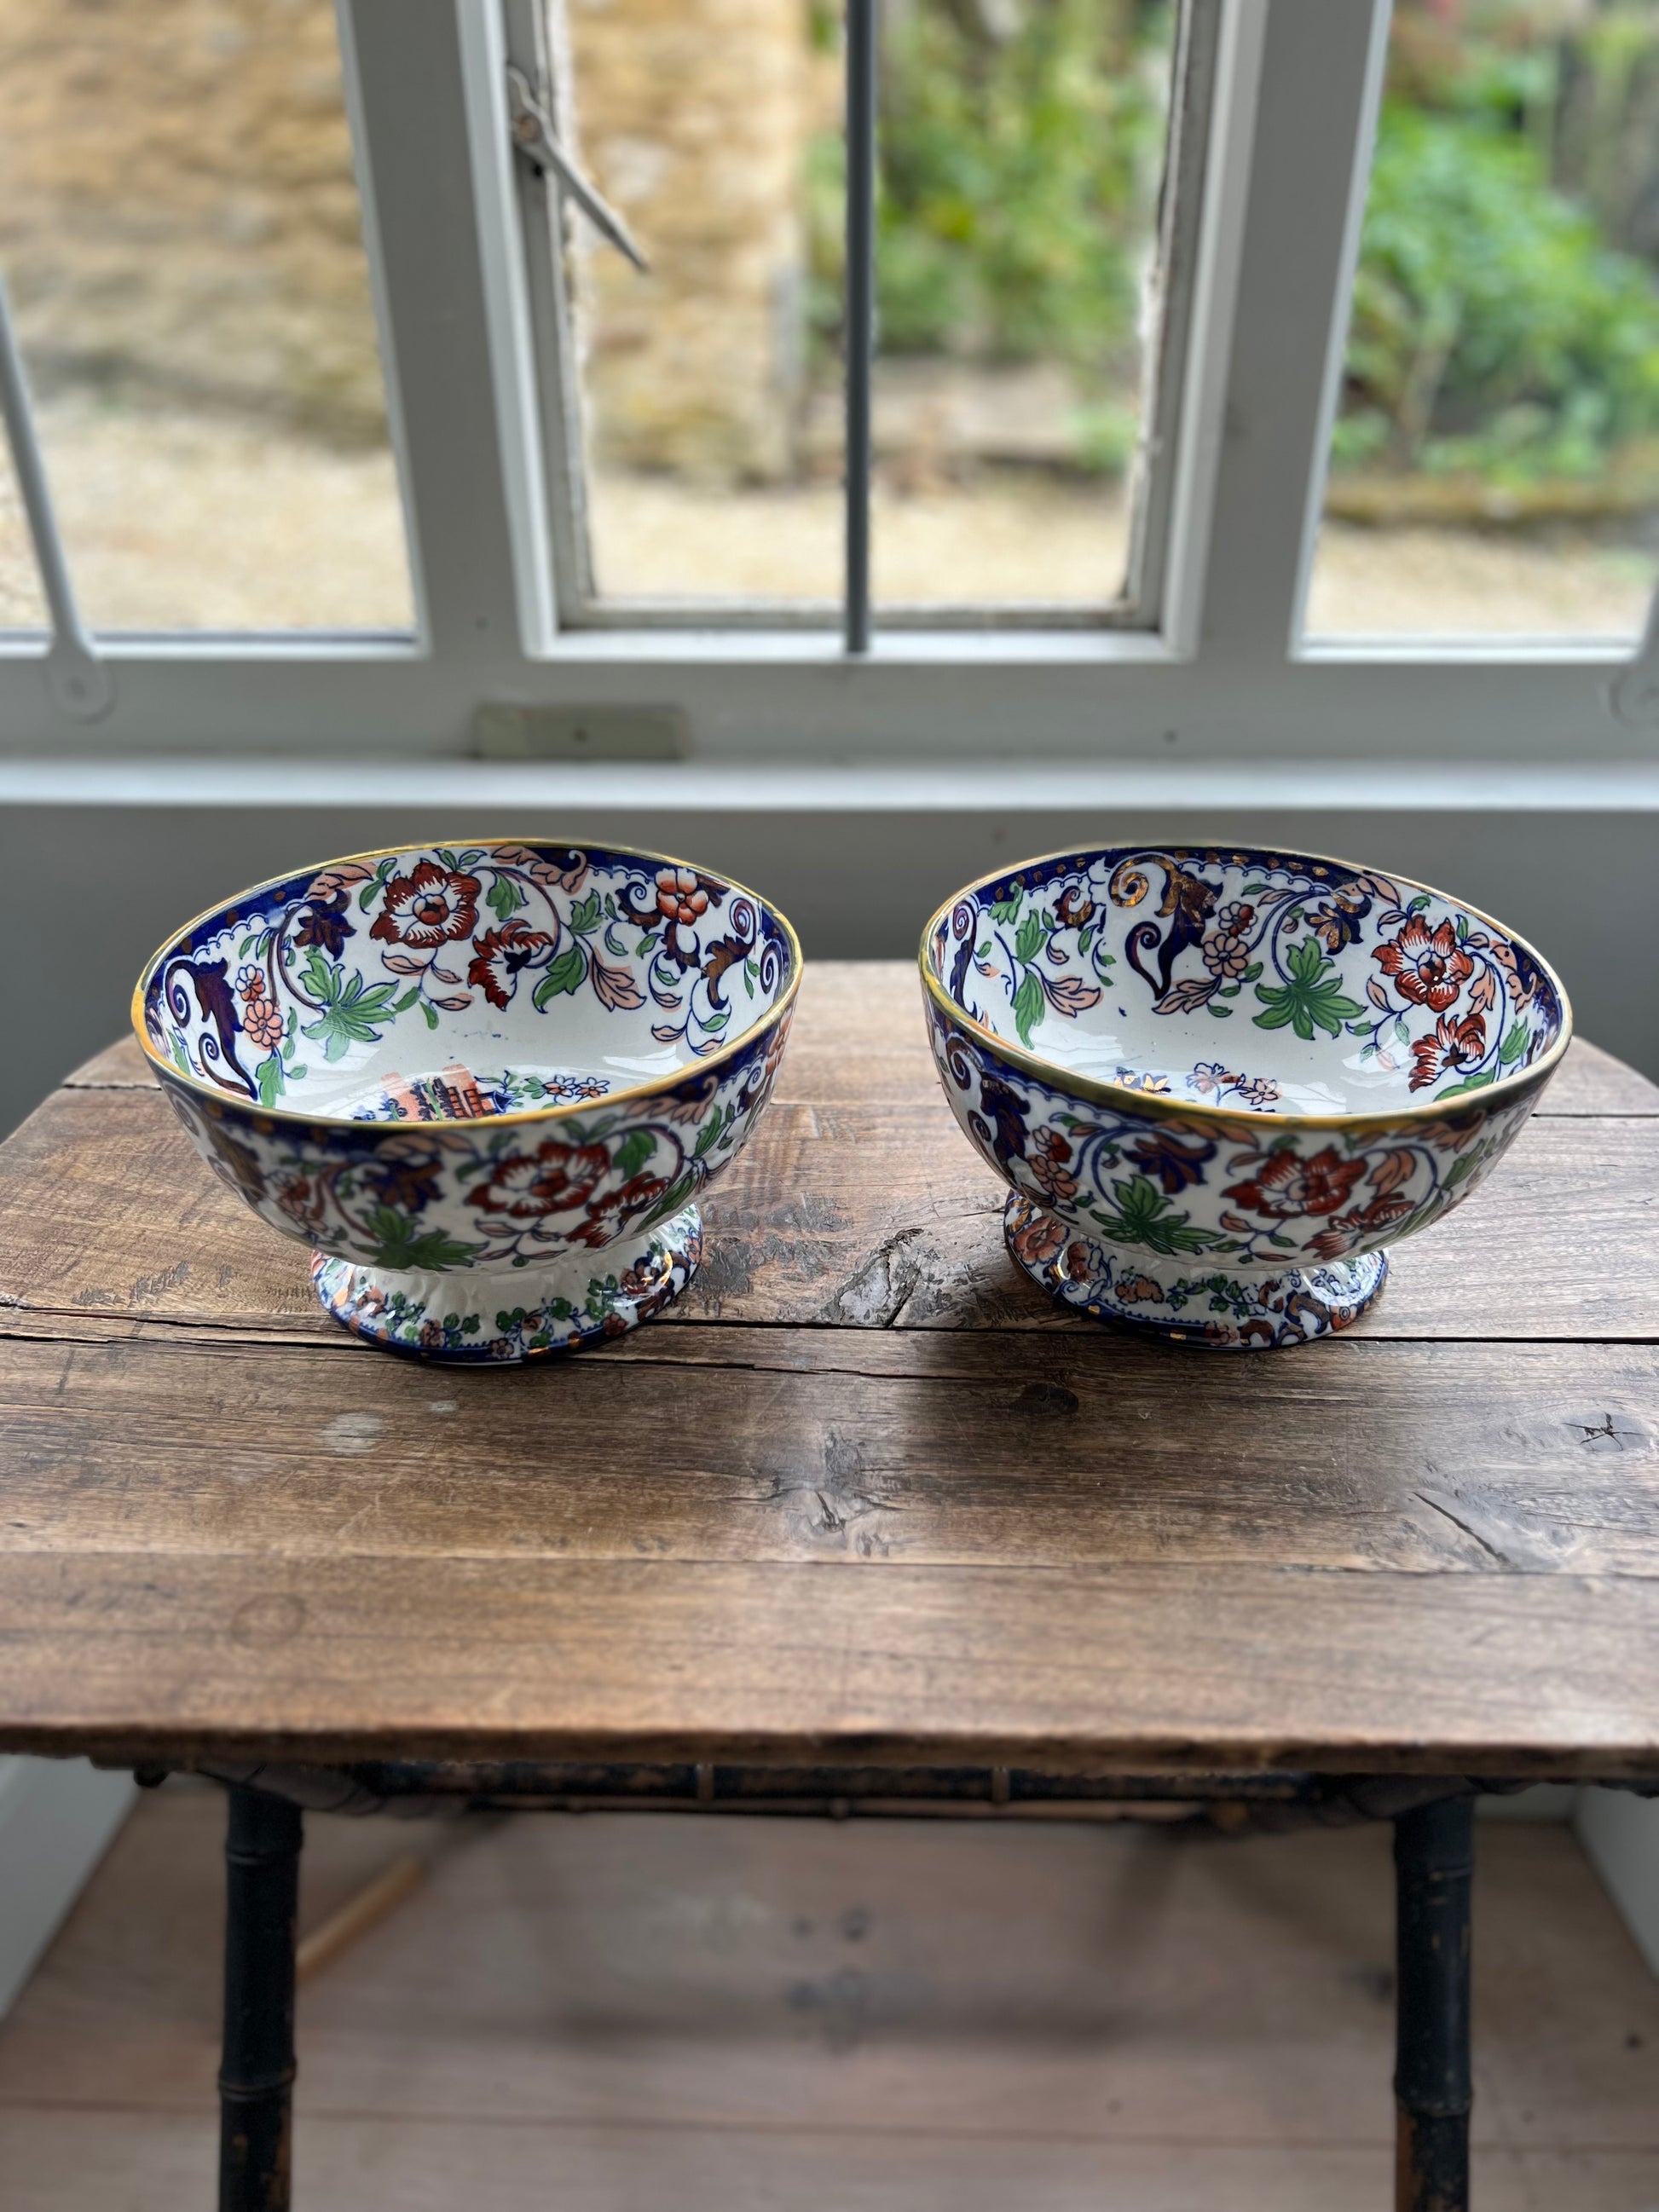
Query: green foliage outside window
[1018,172]
[1495,331]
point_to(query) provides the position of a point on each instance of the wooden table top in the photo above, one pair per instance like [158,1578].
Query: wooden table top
[865,1494]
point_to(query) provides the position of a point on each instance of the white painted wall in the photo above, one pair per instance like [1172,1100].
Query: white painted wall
[57,1819]
[1620,1837]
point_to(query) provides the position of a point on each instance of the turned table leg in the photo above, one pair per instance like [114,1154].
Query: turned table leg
[256,2079]
[1434,1860]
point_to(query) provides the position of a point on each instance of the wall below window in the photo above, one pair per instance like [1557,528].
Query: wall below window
[90,890]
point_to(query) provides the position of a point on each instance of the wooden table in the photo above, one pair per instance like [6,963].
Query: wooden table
[863,1501]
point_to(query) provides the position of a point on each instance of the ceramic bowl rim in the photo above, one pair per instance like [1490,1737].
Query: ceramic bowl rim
[648,1087]
[1155,1107]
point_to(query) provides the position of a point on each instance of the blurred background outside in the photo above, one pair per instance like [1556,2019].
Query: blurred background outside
[180,231]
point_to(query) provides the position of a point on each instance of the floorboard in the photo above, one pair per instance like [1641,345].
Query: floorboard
[604,2013]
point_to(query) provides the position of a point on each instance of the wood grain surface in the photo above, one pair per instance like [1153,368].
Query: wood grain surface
[865,1493]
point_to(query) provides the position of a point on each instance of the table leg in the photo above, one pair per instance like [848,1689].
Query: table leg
[256,2079]
[1434,1861]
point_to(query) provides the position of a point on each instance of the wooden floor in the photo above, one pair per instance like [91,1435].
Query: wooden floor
[615,2015]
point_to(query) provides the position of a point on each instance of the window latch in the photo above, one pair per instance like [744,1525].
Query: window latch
[1632,696]
[535,140]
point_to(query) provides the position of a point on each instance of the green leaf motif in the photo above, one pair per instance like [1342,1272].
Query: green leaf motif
[269,1077]
[503,898]
[1028,1005]
[634,1150]
[1007,909]
[1469,1082]
[319,978]
[1514,1044]
[402,1244]
[366,897]
[1144,1216]
[712,1131]
[585,914]
[564,974]
[351,1014]
[1033,936]
[1313,998]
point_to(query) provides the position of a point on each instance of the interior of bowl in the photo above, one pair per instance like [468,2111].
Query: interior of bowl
[1262,982]
[442,982]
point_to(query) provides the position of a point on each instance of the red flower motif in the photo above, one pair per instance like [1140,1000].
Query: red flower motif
[261,1024]
[1351,1229]
[1289,1184]
[1454,1046]
[500,957]
[1048,1168]
[429,906]
[1036,1242]
[555,1178]
[1430,966]
[680,894]
[607,1216]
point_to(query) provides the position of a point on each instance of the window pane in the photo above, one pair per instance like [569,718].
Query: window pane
[180,231]
[710,125]
[21,606]
[1022,146]
[1495,465]
[1022,149]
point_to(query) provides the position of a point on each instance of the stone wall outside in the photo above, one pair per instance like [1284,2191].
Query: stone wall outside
[178,218]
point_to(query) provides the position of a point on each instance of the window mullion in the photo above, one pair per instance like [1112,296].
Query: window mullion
[1321,83]
[408,93]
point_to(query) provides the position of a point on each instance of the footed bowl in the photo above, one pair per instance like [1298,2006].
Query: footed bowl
[485,1082]
[1220,1083]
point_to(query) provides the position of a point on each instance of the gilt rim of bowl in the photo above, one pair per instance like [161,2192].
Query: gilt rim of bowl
[650,1087]
[1157,1108]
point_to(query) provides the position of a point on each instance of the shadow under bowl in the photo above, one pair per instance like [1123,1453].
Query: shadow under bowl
[1221,1082]
[485,1082]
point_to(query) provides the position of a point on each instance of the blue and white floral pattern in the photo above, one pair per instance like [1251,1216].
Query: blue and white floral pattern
[464,1196]
[1407,982]
[1200,1201]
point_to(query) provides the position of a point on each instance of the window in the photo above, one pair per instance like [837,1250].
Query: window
[180,235]
[568,485]
[1495,459]
[1026,372]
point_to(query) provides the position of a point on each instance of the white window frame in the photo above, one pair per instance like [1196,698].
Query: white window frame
[1224,680]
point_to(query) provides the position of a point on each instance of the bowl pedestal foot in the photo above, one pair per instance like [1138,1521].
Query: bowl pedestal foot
[498,1316]
[1193,1300]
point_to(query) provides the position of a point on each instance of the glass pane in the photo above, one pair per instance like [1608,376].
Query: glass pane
[179,229]
[21,606]
[1495,465]
[1022,146]
[713,127]
[1022,150]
